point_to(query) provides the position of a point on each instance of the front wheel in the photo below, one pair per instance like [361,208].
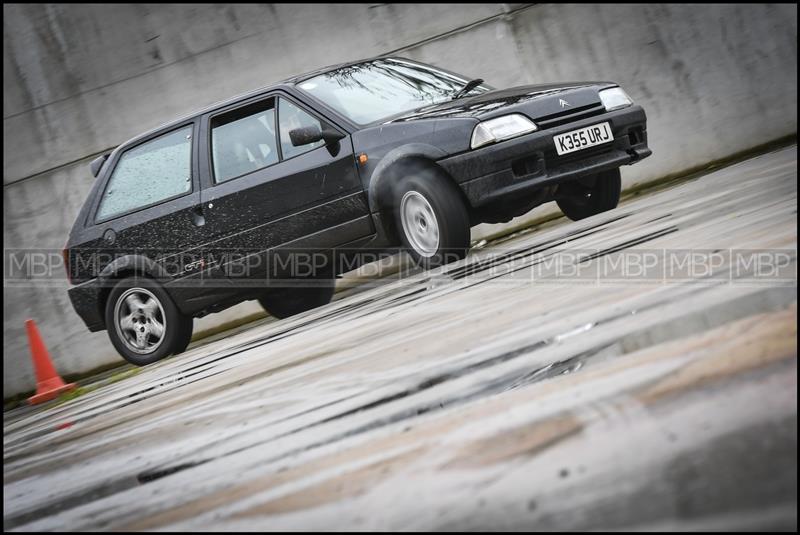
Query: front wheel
[143,322]
[586,197]
[431,218]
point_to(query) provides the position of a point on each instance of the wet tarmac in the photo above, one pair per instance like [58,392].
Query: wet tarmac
[582,375]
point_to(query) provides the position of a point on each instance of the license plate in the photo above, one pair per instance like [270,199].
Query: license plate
[583,138]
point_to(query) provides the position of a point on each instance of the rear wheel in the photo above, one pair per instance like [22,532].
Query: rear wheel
[586,197]
[305,295]
[431,218]
[143,323]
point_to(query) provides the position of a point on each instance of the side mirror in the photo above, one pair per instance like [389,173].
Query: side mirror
[311,134]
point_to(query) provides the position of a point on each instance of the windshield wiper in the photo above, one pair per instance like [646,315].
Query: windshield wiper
[469,86]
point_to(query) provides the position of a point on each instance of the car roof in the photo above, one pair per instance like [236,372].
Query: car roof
[244,96]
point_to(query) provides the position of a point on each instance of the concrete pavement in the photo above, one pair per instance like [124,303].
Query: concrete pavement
[546,382]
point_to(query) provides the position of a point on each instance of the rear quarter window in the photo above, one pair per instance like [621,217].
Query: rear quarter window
[149,173]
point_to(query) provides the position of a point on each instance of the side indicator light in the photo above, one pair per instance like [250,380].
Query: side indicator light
[362,158]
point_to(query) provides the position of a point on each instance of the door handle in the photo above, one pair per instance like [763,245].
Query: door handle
[198,219]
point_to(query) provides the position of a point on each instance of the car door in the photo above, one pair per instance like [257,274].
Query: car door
[260,193]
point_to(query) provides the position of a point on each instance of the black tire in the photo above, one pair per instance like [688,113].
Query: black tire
[583,198]
[177,327]
[451,218]
[185,337]
[288,301]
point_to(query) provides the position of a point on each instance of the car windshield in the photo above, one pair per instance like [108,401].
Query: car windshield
[369,92]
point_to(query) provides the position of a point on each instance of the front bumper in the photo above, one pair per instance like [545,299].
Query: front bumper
[521,165]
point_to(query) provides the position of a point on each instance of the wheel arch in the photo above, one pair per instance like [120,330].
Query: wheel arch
[395,165]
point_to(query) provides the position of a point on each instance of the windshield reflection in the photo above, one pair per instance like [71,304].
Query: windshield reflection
[379,89]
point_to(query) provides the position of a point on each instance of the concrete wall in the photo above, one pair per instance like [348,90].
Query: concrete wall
[80,79]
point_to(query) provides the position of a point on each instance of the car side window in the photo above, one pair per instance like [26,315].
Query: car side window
[291,117]
[151,172]
[244,140]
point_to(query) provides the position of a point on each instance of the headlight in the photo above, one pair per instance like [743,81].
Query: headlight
[615,98]
[501,128]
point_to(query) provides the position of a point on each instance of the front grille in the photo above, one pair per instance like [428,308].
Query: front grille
[570,115]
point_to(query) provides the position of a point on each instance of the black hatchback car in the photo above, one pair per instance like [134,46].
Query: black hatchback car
[215,208]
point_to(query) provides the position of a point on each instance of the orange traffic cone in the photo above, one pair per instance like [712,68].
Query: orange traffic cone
[48,383]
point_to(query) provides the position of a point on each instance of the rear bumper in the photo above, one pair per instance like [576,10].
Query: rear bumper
[519,166]
[85,300]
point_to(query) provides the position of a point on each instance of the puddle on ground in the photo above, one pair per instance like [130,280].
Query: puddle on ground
[511,381]
[498,386]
